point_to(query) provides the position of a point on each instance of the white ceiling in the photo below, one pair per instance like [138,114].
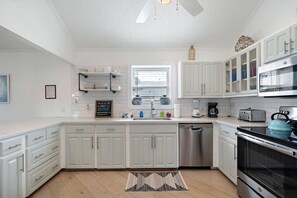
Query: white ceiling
[111,23]
[10,42]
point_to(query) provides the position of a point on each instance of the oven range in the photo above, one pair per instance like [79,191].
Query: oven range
[267,162]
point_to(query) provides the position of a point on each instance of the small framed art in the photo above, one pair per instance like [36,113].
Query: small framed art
[4,88]
[103,109]
[50,92]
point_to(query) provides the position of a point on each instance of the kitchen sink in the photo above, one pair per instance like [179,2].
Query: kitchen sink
[151,118]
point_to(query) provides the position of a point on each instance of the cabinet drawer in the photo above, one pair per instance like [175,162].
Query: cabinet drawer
[40,175]
[10,145]
[110,129]
[228,131]
[52,132]
[148,128]
[35,137]
[80,129]
[39,154]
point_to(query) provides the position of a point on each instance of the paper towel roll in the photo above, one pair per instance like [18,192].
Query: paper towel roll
[176,110]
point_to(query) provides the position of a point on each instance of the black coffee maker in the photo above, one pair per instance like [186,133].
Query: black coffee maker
[212,110]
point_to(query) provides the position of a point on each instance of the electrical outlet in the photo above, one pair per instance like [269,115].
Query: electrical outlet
[62,109]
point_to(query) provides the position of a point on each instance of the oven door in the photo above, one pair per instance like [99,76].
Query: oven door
[267,168]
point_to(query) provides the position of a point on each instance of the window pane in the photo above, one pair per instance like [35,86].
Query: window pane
[150,82]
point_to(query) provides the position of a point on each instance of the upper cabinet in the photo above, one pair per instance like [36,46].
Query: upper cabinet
[199,79]
[241,72]
[280,45]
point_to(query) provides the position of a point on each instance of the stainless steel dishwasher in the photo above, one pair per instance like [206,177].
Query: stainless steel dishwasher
[195,145]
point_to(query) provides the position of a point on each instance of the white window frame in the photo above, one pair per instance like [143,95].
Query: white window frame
[146,103]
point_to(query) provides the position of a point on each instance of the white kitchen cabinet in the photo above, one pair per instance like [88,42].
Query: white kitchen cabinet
[141,151]
[11,168]
[42,157]
[241,72]
[111,146]
[111,151]
[165,148]
[199,79]
[153,146]
[293,41]
[80,152]
[280,45]
[228,152]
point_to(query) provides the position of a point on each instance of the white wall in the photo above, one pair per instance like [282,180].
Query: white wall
[121,60]
[29,73]
[37,22]
[271,16]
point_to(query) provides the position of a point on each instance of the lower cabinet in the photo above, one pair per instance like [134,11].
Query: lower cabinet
[111,150]
[153,150]
[228,152]
[80,152]
[11,168]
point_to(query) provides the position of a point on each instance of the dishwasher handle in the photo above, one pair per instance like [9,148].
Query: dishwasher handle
[197,129]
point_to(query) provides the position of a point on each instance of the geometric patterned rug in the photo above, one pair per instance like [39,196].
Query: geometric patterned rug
[155,181]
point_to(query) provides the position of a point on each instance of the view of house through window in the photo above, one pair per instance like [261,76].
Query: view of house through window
[150,81]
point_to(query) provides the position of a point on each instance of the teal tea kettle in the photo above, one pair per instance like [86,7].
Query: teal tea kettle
[280,125]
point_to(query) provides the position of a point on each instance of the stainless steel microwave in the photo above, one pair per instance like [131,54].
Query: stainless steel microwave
[278,78]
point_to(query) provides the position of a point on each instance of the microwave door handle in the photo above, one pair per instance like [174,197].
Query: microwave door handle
[270,145]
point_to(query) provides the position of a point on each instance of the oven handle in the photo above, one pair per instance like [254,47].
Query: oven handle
[268,144]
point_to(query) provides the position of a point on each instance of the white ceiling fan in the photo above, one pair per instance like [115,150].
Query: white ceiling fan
[192,6]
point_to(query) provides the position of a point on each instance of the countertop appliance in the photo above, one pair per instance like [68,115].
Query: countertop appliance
[212,110]
[252,115]
[195,145]
[267,161]
[278,78]
[196,111]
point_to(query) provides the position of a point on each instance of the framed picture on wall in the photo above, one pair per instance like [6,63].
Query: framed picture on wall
[50,92]
[4,88]
[103,109]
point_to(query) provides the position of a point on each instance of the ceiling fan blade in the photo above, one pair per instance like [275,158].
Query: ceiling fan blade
[146,11]
[192,6]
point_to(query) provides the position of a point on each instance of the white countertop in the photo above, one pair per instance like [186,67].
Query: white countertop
[15,128]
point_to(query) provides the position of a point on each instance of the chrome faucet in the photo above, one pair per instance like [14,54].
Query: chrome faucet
[152,109]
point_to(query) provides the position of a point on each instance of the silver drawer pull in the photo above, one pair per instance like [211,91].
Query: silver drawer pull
[110,129]
[55,147]
[12,147]
[39,178]
[79,129]
[41,154]
[54,167]
[37,138]
[227,132]
[55,132]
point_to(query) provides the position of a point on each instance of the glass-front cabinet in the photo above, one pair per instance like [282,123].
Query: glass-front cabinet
[241,72]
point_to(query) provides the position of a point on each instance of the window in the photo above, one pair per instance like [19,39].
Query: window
[150,81]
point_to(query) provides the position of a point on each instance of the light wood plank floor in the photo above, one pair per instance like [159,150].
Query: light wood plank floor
[108,184]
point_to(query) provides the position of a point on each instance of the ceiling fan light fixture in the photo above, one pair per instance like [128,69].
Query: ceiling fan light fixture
[165,1]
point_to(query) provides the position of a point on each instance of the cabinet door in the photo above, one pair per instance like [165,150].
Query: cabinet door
[118,147]
[141,151]
[72,150]
[212,79]
[191,79]
[87,156]
[282,43]
[104,151]
[269,49]
[111,151]
[231,151]
[11,176]
[222,155]
[293,41]
[165,151]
